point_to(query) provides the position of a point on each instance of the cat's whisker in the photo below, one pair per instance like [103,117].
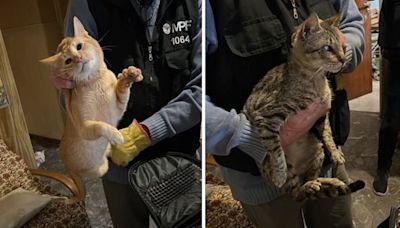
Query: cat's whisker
[107,49]
[105,34]
[107,46]
[107,62]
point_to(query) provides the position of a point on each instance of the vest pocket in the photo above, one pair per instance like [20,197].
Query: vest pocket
[178,59]
[255,36]
[324,8]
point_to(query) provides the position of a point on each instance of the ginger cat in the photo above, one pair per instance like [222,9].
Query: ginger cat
[94,106]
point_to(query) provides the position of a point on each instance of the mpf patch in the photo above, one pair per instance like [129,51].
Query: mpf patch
[179,31]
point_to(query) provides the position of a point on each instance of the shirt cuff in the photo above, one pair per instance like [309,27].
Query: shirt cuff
[250,142]
[157,128]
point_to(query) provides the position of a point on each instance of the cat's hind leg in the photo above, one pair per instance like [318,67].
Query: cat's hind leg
[98,171]
[312,186]
[325,130]
[103,168]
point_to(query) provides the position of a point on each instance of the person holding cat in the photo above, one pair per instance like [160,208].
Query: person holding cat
[389,42]
[163,39]
[249,38]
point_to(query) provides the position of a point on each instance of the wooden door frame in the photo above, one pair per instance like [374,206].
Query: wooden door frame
[13,128]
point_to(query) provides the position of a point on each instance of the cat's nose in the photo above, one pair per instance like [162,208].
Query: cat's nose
[78,59]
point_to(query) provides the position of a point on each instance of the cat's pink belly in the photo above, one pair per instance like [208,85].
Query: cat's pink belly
[301,153]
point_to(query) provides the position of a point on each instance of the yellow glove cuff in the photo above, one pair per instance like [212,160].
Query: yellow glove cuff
[136,139]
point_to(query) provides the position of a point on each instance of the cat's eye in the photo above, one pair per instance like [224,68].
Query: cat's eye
[327,48]
[79,46]
[68,61]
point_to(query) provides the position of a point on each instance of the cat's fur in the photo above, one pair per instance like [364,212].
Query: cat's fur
[94,106]
[286,90]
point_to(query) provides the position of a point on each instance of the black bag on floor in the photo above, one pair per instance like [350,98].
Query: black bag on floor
[170,186]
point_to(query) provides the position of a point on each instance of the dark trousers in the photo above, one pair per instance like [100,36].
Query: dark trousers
[284,212]
[390,123]
[126,208]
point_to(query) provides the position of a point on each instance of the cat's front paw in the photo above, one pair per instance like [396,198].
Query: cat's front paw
[312,186]
[338,157]
[115,137]
[131,74]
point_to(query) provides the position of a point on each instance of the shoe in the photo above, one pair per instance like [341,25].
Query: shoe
[380,183]
[394,218]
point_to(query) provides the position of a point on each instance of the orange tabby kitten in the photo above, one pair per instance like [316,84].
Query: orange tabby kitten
[94,106]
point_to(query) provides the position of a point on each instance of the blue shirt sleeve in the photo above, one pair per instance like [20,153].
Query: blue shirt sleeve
[211,33]
[227,130]
[351,25]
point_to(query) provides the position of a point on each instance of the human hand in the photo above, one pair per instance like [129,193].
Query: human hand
[60,81]
[299,124]
[342,40]
[136,139]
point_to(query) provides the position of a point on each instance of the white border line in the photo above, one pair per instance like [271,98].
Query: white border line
[203,136]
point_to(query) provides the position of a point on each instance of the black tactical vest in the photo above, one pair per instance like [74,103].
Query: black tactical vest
[164,61]
[253,37]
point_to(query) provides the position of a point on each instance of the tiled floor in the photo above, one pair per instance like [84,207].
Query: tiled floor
[361,154]
[369,102]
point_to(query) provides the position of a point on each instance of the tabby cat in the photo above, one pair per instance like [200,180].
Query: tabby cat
[94,106]
[289,88]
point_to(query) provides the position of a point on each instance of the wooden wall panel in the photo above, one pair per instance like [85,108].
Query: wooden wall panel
[60,7]
[13,128]
[17,13]
[26,46]
[32,30]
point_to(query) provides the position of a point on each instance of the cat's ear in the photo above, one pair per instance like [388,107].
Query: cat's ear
[79,30]
[51,59]
[311,25]
[333,21]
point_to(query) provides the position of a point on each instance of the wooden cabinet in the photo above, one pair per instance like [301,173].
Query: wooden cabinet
[13,129]
[32,30]
[359,82]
